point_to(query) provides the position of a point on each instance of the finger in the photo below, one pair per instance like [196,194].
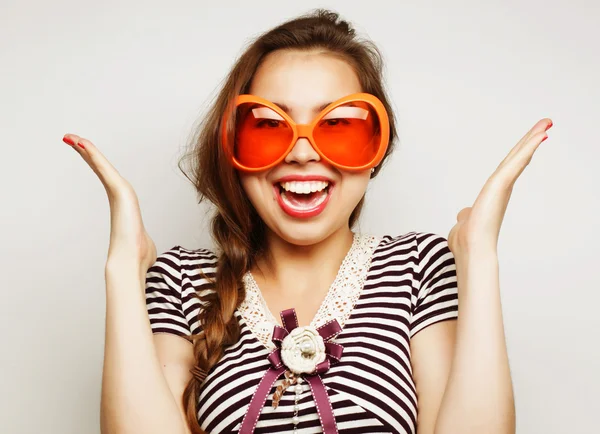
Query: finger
[106,172]
[71,140]
[452,236]
[541,126]
[502,181]
[522,158]
[463,214]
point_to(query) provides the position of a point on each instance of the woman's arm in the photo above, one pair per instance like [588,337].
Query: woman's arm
[139,394]
[461,367]
[477,396]
[176,358]
[136,395]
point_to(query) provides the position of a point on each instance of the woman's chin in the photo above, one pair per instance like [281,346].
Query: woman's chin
[305,233]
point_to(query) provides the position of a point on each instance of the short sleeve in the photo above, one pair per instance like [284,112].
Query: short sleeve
[164,295]
[436,298]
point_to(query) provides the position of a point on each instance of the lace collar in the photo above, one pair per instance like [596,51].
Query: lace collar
[338,303]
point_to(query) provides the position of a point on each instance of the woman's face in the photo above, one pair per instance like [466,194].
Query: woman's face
[304,82]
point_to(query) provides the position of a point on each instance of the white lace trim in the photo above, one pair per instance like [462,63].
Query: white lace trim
[338,303]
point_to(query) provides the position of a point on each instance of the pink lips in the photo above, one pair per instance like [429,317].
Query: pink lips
[290,178]
[305,213]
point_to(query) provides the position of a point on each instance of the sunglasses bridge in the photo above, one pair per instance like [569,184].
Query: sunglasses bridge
[303,130]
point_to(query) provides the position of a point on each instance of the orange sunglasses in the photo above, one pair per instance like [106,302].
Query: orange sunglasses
[351,133]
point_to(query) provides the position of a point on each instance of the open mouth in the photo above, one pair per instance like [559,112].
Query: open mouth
[303,198]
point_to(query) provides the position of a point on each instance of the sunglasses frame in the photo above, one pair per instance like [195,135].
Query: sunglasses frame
[306,130]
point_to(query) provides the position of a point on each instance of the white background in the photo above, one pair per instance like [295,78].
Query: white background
[467,80]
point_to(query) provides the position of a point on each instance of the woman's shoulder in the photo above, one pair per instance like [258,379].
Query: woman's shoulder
[419,242]
[197,256]
[182,256]
[173,284]
[181,266]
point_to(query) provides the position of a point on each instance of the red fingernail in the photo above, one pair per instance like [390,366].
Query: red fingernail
[544,139]
[68,141]
[81,144]
[549,125]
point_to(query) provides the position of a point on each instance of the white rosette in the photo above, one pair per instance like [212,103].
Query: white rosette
[302,350]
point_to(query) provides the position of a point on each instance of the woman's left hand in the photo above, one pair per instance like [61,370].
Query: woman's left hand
[478,227]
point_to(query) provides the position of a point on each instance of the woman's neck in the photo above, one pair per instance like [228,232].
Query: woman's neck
[298,269]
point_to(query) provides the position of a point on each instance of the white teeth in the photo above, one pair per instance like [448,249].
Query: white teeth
[298,206]
[304,187]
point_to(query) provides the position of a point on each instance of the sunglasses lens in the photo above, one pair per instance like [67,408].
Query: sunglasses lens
[349,134]
[261,136]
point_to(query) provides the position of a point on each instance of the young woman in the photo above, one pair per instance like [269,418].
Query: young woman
[295,322]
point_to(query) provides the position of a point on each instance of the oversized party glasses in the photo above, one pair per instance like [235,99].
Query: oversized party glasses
[351,133]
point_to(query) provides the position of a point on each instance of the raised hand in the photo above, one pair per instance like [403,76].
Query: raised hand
[130,244]
[478,227]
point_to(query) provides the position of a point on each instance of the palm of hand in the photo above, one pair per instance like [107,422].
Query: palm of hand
[478,226]
[129,240]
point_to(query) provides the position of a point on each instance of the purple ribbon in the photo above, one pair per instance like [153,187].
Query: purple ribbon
[333,354]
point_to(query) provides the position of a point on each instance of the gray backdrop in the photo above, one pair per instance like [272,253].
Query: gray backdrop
[467,79]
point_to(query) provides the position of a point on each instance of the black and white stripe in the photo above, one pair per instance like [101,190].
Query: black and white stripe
[411,284]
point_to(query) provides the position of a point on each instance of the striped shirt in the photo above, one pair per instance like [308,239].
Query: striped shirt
[410,284]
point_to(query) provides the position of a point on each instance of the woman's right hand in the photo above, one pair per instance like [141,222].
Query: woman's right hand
[130,244]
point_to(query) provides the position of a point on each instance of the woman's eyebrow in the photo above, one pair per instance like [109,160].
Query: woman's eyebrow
[286,109]
[322,107]
[282,106]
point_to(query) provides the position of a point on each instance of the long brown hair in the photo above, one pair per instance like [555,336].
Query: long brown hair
[237,230]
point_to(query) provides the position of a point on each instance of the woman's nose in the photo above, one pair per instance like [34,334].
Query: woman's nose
[302,152]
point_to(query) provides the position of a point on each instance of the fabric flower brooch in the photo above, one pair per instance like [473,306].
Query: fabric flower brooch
[301,352]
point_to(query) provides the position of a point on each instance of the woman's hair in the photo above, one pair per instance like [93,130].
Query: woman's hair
[237,229]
